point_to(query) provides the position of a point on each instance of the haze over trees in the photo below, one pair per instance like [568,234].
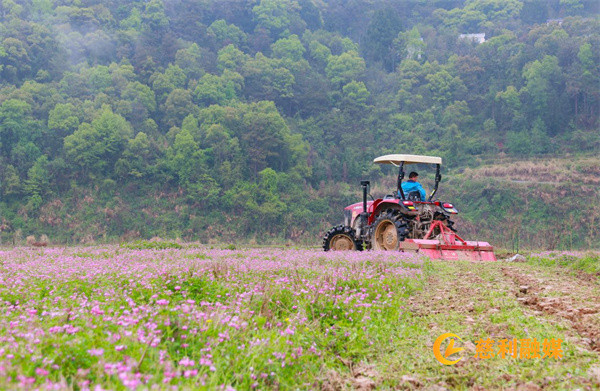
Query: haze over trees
[233,120]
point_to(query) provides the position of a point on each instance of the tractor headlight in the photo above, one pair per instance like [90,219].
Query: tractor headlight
[409,205]
[449,208]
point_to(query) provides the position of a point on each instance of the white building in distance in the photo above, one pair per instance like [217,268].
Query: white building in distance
[479,37]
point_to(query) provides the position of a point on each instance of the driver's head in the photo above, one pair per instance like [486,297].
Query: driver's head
[413,175]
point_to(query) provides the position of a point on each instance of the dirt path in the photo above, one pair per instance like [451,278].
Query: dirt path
[557,292]
[553,294]
[504,301]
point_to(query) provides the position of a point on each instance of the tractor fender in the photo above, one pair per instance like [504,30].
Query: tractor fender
[352,212]
[381,204]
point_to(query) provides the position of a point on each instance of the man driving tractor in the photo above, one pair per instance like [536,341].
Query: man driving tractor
[413,186]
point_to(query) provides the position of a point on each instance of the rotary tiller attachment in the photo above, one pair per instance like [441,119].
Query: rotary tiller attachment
[447,245]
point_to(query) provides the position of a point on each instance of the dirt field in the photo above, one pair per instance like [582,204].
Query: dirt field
[497,301]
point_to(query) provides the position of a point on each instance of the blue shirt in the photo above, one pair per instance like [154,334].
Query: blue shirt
[410,185]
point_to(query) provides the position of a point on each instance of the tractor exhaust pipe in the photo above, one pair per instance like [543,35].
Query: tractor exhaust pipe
[364,216]
[365,187]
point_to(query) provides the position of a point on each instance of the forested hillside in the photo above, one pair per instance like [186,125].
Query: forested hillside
[225,120]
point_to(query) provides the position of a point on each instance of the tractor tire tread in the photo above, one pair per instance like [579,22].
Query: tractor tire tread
[398,221]
[341,229]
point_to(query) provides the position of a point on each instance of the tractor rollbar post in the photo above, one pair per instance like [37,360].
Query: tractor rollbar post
[400,177]
[438,178]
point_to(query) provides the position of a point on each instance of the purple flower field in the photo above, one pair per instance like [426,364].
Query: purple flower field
[194,318]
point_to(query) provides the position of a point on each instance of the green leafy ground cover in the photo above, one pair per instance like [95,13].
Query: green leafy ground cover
[587,262]
[134,318]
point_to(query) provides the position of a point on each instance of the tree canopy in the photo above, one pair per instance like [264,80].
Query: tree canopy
[271,111]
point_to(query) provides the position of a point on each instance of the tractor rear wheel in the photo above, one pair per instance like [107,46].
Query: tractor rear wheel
[341,238]
[388,231]
[445,219]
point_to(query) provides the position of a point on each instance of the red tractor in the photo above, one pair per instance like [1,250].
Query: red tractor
[404,222]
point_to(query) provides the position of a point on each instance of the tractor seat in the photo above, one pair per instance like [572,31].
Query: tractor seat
[414,196]
[389,197]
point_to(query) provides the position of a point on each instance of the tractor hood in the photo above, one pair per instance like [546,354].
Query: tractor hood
[357,208]
[351,212]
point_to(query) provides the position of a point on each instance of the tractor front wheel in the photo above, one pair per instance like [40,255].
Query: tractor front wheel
[341,238]
[388,231]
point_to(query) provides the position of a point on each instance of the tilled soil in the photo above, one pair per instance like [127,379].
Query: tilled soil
[554,296]
[558,293]
[495,300]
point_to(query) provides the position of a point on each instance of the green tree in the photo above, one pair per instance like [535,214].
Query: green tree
[231,58]
[185,158]
[95,147]
[266,79]
[276,16]
[164,83]
[62,121]
[496,9]
[508,108]
[311,14]
[84,149]
[177,106]
[459,19]
[189,164]
[541,80]
[266,138]
[38,182]
[225,34]
[408,45]
[133,21]
[345,68]
[271,208]
[583,83]
[226,157]
[134,160]
[10,182]
[571,7]
[528,142]
[190,124]
[175,76]
[98,79]
[142,100]
[41,9]
[444,87]
[289,48]
[320,53]
[457,113]
[355,96]
[381,32]
[19,134]
[212,89]
[14,118]
[586,57]
[154,19]
[16,63]
[190,61]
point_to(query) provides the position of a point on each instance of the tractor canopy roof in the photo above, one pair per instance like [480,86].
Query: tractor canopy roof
[396,159]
